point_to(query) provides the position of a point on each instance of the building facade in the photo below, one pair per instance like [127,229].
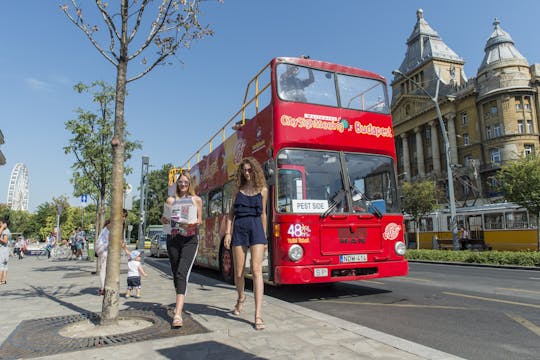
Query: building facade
[490,119]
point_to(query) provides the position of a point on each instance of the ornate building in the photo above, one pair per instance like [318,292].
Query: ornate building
[490,119]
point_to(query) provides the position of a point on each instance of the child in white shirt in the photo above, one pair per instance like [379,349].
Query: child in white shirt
[135,270]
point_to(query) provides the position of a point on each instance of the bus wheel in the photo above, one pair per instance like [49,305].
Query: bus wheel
[226,266]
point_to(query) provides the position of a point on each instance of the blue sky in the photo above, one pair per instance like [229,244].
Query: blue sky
[175,109]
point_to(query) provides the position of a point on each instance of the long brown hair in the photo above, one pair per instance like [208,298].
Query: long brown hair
[191,187]
[257,174]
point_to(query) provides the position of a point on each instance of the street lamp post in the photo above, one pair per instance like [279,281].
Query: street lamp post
[451,196]
[142,214]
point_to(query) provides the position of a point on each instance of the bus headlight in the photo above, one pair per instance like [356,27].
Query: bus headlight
[296,252]
[400,248]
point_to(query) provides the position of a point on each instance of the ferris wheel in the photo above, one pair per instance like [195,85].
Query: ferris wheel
[17,198]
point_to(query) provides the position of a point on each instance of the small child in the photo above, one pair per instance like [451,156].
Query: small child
[135,270]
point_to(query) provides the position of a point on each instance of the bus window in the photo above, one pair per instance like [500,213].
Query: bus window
[372,176]
[362,94]
[215,203]
[228,196]
[311,189]
[298,83]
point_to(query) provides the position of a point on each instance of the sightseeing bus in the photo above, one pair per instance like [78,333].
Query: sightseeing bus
[323,134]
[500,226]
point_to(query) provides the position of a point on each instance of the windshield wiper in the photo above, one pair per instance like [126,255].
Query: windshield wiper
[335,201]
[357,195]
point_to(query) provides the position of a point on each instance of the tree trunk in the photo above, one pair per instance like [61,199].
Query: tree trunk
[417,231]
[538,232]
[109,314]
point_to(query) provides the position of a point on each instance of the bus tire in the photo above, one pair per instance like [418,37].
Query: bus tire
[226,266]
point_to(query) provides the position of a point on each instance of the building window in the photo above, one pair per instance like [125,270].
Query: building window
[527,103]
[521,127]
[427,133]
[467,160]
[493,109]
[497,130]
[530,128]
[495,155]
[466,140]
[529,149]
[519,105]
[488,132]
[464,119]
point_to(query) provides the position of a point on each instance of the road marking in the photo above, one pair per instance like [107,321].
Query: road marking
[520,290]
[493,300]
[397,305]
[373,282]
[529,325]
[413,279]
[534,278]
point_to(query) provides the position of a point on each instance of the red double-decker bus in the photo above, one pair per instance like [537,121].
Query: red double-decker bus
[323,133]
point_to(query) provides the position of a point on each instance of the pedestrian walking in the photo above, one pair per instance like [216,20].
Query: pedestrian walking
[246,229]
[135,271]
[183,212]
[5,237]
[101,249]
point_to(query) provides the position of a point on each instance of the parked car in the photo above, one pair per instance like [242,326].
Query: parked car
[158,245]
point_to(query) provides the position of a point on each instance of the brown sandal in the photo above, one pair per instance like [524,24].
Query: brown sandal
[177,321]
[239,305]
[259,323]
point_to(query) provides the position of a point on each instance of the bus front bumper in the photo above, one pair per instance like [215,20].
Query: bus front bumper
[301,274]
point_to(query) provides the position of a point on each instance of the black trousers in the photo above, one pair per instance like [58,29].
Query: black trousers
[182,251]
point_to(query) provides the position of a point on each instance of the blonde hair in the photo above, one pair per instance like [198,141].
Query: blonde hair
[191,187]
[257,174]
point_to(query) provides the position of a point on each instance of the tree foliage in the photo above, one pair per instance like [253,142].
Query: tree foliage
[164,26]
[157,193]
[419,199]
[91,146]
[519,181]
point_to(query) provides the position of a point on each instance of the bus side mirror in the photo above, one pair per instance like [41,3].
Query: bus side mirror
[269,172]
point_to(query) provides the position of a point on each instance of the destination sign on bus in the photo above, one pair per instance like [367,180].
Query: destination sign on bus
[309,206]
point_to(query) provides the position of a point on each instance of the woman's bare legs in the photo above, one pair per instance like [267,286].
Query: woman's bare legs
[239,259]
[257,255]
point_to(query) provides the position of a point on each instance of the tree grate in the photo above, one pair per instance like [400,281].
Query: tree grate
[41,337]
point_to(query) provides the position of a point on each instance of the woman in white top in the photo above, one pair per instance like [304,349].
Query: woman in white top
[183,212]
[5,235]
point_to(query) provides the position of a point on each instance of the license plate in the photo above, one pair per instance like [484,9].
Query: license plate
[353,258]
[321,272]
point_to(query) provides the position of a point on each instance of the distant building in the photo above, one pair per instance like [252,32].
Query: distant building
[2,157]
[490,119]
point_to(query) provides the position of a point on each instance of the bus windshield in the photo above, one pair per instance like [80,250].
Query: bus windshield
[302,84]
[312,181]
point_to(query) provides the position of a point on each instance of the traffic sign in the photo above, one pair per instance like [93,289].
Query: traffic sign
[84,198]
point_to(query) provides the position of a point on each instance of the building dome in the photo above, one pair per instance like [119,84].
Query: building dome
[500,49]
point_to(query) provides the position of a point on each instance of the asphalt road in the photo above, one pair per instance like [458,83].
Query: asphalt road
[472,312]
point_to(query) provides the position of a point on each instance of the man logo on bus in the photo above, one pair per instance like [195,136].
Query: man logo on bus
[391,231]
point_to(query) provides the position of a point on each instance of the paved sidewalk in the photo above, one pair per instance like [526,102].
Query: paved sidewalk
[45,288]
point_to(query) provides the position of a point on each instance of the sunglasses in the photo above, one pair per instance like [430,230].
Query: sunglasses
[182,182]
[248,170]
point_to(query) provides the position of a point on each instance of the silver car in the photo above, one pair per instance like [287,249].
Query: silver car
[158,245]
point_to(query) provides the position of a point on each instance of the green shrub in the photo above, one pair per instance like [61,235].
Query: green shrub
[514,258]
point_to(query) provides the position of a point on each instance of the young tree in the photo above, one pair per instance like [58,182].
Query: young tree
[90,144]
[419,199]
[172,24]
[520,182]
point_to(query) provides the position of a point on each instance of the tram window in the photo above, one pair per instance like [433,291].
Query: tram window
[426,224]
[516,220]
[493,221]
